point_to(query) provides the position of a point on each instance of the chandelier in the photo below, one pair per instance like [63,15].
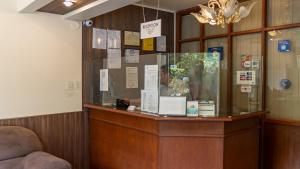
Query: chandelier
[221,12]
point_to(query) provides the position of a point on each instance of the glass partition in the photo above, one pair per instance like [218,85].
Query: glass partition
[247,74]
[221,44]
[190,79]
[283,87]
[172,84]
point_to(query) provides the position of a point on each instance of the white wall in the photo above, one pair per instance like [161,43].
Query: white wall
[40,54]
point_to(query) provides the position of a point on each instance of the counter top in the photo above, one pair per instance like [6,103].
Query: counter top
[224,118]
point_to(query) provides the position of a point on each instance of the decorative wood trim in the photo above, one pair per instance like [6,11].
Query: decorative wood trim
[178,33]
[202,34]
[214,36]
[188,11]
[190,40]
[230,68]
[280,27]
[283,122]
[258,30]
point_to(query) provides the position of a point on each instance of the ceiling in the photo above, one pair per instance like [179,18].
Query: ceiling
[86,9]
[173,5]
[57,6]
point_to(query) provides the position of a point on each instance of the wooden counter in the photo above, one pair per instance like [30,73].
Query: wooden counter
[125,140]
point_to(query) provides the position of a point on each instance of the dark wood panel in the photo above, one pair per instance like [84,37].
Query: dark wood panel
[119,142]
[191,153]
[242,150]
[281,145]
[57,6]
[127,18]
[117,147]
[64,135]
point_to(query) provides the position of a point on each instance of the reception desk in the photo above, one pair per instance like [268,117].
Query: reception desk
[132,140]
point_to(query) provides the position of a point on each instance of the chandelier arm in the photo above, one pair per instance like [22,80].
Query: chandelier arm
[214,4]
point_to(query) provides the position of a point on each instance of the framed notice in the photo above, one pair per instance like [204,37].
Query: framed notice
[161,44]
[148,44]
[132,55]
[131,38]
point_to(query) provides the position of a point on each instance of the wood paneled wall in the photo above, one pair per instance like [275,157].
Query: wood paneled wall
[281,145]
[127,18]
[63,135]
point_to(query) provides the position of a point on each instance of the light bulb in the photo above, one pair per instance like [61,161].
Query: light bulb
[68,3]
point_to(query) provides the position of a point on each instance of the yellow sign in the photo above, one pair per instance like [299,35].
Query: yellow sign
[148,44]
[131,38]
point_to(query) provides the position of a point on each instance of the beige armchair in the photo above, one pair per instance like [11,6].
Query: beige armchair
[20,148]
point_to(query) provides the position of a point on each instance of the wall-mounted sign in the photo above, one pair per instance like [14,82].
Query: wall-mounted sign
[151,29]
[219,50]
[246,61]
[246,77]
[284,46]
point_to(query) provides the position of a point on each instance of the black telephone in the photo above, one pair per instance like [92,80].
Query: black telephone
[122,104]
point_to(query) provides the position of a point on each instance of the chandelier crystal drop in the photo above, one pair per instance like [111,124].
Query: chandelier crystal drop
[222,12]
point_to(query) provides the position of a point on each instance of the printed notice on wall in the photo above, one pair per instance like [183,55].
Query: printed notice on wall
[246,78]
[114,58]
[132,78]
[114,39]
[104,80]
[99,38]
[149,101]
[151,77]
[132,55]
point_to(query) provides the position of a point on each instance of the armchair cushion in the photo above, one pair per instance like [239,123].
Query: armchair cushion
[15,163]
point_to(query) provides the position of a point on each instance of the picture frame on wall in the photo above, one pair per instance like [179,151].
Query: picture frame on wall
[148,44]
[161,44]
[131,38]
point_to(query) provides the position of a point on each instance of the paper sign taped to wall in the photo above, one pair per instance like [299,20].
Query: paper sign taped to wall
[132,81]
[114,58]
[151,77]
[104,80]
[99,38]
[149,101]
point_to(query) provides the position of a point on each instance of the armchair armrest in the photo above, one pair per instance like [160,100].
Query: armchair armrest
[42,160]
